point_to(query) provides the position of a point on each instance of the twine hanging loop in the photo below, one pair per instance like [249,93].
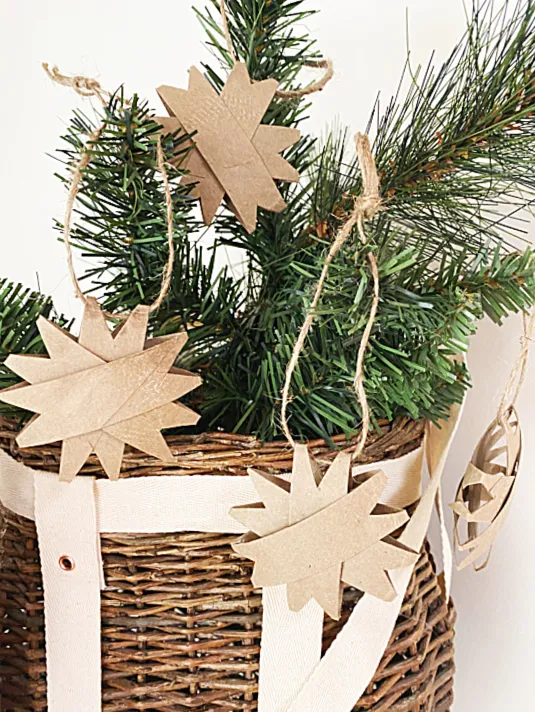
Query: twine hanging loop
[518,373]
[91,87]
[366,206]
[314,87]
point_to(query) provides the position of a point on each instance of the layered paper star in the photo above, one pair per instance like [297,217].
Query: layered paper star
[234,155]
[102,391]
[314,534]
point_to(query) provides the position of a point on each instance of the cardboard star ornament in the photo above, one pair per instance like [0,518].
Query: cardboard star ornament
[233,154]
[102,391]
[315,534]
[485,493]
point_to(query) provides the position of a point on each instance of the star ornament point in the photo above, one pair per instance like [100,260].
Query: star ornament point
[233,155]
[102,391]
[318,533]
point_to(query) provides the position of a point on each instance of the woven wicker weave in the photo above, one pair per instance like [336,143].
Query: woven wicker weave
[181,622]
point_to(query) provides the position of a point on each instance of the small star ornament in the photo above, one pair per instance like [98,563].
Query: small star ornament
[315,533]
[233,154]
[102,391]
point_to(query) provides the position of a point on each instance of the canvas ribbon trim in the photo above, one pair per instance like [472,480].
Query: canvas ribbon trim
[71,565]
[290,649]
[341,677]
[290,654]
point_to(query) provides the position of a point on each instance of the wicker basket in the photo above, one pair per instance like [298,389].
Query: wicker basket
[181,622]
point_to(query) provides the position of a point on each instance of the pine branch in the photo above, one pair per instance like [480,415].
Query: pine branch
[452,154]
[120,214]
[438,272]
[457,156]
[265,34]
[20,308]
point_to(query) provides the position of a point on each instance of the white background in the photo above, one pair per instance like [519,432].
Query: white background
[145,44]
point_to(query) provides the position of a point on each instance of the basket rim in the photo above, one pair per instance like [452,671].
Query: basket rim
[224,453]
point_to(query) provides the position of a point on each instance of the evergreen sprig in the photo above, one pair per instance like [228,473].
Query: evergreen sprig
[20,308]
[121,213]
[455,152]
[268,35]
[441,244]
[456,157]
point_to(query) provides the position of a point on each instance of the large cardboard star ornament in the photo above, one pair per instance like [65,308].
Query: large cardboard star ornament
[102,391]
[233,154]
[315,533]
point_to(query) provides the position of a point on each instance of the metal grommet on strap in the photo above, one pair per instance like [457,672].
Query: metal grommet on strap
[67,563]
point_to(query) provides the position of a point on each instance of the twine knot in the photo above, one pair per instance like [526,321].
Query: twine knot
[369,203]
[84,86]
[369,206]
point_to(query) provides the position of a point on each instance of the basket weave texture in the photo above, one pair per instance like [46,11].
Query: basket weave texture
[181,622]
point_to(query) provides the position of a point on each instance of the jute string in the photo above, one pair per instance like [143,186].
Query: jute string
[366,207]
[91,87]
[288,94]
[84,86]
[518,373]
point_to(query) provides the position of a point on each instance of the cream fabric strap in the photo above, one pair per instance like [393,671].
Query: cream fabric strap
[292,651]
[343,674]
[291,643]
[143,505]
[67,529]
[404,476]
